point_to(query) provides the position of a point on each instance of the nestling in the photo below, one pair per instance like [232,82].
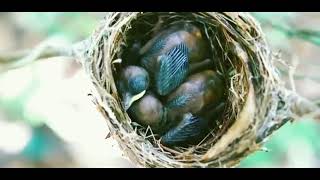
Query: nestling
[198,92]
[192,129]
[133,83]
[167,56]
[149,111]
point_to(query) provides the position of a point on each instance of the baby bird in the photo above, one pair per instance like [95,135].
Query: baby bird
[188,131]
[167,55]
[192,129]
[149,111]
[133,83]
[199,91]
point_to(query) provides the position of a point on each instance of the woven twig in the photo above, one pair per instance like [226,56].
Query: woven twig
[258,103]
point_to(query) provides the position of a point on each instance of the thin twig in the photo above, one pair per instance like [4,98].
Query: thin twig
[309,35]
[45,50]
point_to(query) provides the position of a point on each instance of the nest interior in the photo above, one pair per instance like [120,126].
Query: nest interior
[240,55]
[143,29]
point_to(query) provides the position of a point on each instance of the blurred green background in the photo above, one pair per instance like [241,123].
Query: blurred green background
[46,119]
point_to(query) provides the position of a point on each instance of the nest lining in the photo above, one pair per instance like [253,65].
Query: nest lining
[257,103]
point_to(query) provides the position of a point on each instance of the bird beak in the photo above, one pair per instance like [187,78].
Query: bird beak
[198,34]
[129,100]
[117,61]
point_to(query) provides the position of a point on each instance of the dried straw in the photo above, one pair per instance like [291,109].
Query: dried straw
[257,104]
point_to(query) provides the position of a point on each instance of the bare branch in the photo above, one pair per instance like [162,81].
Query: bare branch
[45,50]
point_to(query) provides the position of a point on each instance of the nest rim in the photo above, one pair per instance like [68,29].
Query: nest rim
[247,128]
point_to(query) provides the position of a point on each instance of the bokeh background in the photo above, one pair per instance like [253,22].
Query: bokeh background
[47,119]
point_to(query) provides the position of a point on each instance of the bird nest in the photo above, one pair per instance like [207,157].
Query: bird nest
[257,103]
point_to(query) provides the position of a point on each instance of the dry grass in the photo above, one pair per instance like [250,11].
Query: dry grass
[257,103]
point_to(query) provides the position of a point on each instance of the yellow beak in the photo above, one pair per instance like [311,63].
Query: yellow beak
[129,100]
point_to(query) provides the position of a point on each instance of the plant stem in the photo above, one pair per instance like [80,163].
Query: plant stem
[309,35]
[44,51]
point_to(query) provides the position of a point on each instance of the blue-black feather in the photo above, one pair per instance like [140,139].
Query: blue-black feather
[146,60]
[179,101]
[190,130]
[173,68]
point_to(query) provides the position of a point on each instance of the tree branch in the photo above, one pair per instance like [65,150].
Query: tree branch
[45,50]
[14,56]
[309,35]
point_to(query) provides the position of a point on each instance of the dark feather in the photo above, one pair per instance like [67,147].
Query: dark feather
[173,68]
[147,59]
[179,101]
[189,131]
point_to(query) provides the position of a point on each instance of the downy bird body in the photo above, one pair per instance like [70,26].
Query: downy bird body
[167,56]
[198,92]
[149,111]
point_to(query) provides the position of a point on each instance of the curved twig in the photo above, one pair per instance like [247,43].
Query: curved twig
[44,51]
